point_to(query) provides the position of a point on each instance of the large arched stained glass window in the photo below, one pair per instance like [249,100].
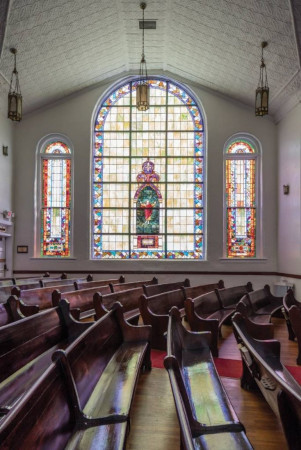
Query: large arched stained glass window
[241,196]
[55,198]
[148,175]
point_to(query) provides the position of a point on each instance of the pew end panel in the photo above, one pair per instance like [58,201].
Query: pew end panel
[295,319]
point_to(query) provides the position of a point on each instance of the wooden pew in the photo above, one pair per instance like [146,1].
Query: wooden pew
[41,297]
[133,285]
[206,313]
[289,300]
[14,309]
[206,417]
[81,302]
[260,305]
[79,284]
[154,311]
[155,289]
[262,368]
[67,281]
[129,300]
[196,291]
[84,399]
[26,347]
[229,297]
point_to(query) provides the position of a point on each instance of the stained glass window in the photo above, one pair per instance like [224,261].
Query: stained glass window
[241,203]
[55,199]
[148,175]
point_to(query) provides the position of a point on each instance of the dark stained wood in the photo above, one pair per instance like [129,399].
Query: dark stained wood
[154,289]
[26,347]
[263,369]
[229,297]
[295,319]
[81,302]
[84,399]
[154,311]
[91,284]
[206,416]
[129,300]
[205,313]
[133,284]
[289,300]
[41,297]
[196,291]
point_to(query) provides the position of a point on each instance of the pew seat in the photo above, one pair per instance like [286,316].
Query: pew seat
[263,369]
[84,399]
[206,416]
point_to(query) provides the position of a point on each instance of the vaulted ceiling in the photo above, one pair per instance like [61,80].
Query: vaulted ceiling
[67,45]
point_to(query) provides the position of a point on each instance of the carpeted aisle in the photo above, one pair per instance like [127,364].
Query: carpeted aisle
[230,368]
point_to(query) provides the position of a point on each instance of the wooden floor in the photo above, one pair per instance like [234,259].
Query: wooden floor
[154,424]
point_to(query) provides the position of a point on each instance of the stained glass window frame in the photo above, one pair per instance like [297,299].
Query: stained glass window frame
[197,117]
[254,155]
[43,155]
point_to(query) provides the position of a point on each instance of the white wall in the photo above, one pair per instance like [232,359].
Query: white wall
[289,213]
[73,118]
[6,164]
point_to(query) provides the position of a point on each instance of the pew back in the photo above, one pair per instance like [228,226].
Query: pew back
[155,289]
[133,285]
[196,291]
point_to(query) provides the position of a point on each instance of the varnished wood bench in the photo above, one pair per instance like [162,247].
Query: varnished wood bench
[129,300]
[292,314]
[40,297]
[260,305]
[154,289]
[26,347]
[84,399]
[206,416]
[196,291]
[81,302]
[154,311]
[206,313]
[229,297]
[262,368]
[46,282]
[14,309]
[92,284]
[133,285]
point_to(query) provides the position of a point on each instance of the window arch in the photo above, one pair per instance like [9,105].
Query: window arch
[242,199]
[148,175]
[54,196]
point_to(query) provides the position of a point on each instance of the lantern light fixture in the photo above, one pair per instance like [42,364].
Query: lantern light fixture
[142,93]
[262,91]
[14,95]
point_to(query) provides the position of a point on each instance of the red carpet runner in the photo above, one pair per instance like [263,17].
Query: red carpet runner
[231,368]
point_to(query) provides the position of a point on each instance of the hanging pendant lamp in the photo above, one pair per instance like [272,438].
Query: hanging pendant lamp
[262,91]
[14,95]
[142,94]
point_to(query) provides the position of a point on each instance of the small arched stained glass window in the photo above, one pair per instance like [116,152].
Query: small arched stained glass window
[148,175]
[56,167]
[241,175]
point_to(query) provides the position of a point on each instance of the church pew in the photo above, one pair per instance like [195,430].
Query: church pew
[26,347]
[206,313]
[83,400]
[14,309]
[41,297]
[155,289]
[295,319]
[81,302]
[80,284]
[289,300]
[229,297]
[154,311]
[67,281]
[196,291]
[129,300]
[133,284]
[263,369]
[206,417]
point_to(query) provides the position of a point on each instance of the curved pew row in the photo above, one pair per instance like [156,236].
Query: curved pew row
[154,289]
[26,348]
[260,305]
[129,300]
[155,309]
[90,284]
[83,400]
[292,314]
[206,416]
[263,369]
[210,311]
[133,285]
